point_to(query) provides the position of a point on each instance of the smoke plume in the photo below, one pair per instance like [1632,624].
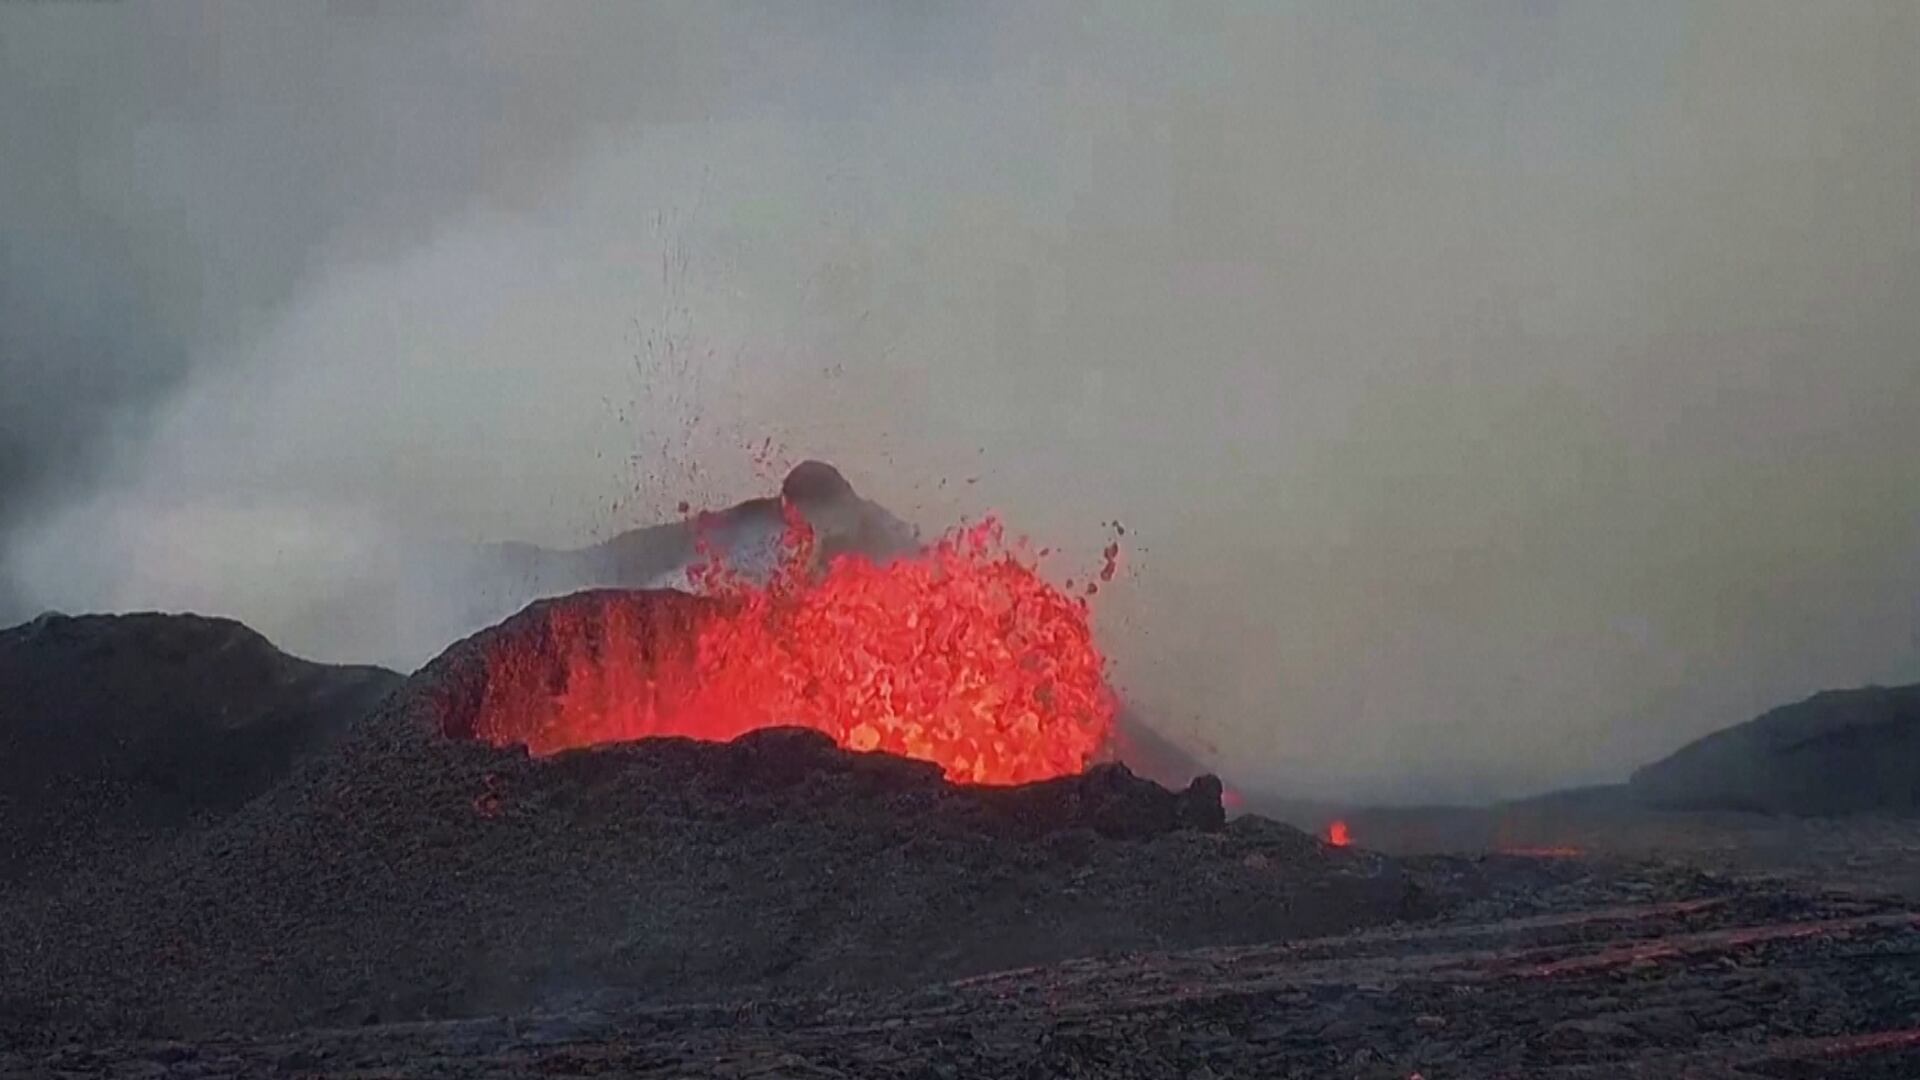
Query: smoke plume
[1495,394]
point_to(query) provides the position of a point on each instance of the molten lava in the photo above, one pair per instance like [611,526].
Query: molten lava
[962,655]
[1337,834]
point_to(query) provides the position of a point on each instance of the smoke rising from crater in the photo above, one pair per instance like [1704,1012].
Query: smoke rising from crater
[1496,396]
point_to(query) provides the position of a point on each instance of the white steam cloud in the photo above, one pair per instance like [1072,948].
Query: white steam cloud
[1496,394]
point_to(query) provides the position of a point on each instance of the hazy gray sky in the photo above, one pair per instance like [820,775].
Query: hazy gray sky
[1497,393]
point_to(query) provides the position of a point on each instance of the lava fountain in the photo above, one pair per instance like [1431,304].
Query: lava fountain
[962,655]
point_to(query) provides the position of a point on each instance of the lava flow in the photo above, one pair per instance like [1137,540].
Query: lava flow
[961,655]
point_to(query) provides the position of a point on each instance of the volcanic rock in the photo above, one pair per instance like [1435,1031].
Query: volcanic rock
[402,872]
[1837,752]
[816,482]
[120,730]
[1740,983]
[1149,753]
[778,905]
[1110,800]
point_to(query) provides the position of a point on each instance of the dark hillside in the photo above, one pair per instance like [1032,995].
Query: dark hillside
[116,730]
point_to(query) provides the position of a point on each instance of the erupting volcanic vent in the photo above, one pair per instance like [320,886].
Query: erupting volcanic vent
[961,655]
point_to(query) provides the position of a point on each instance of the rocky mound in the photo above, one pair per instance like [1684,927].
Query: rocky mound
[407,873]
[119,730]
[1837,752]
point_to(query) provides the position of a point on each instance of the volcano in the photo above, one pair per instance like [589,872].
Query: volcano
[812,607]
[645,803]
[410,868]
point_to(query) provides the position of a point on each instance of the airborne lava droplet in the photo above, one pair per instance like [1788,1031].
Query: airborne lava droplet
[962,655]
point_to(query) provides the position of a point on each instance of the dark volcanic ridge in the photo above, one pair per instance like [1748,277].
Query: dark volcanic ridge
[119,731]
[1826,789]
[1837,752]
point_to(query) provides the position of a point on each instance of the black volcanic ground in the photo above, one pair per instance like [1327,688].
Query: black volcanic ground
[293,867]
[397,874]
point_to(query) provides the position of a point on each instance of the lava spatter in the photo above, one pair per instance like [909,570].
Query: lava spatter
[962,655]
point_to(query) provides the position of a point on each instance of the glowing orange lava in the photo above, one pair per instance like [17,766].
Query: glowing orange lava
[1337,834]
[962,655]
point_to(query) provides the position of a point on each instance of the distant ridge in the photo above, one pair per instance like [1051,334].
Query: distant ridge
[1837,752]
